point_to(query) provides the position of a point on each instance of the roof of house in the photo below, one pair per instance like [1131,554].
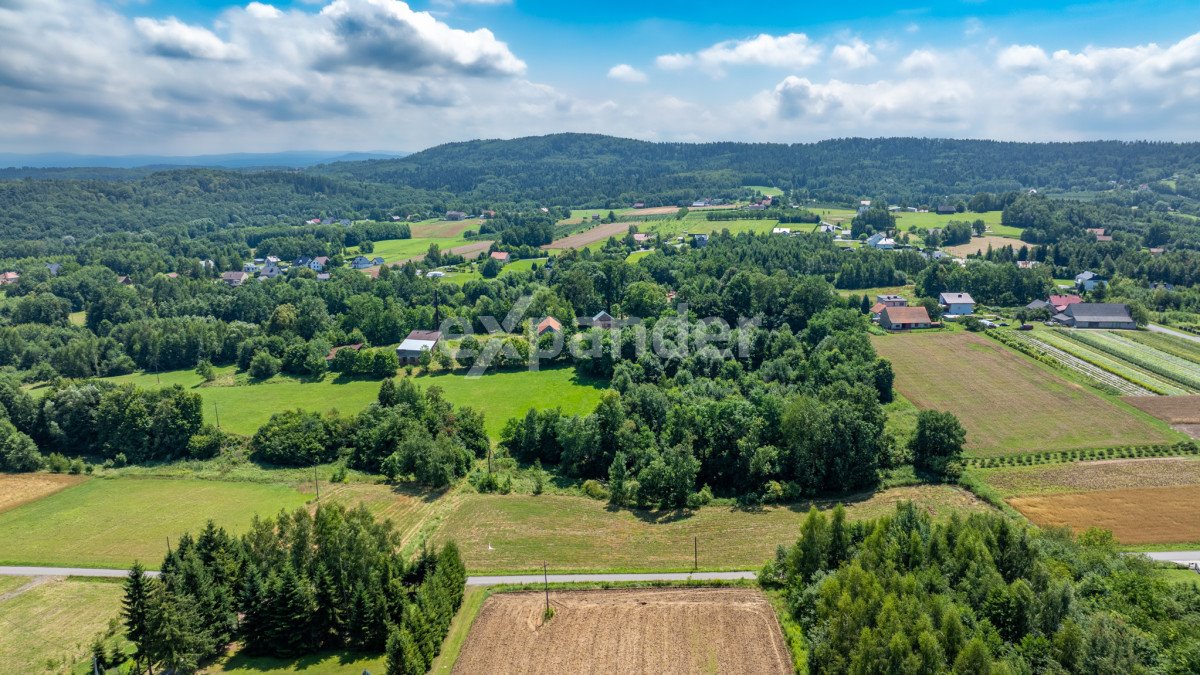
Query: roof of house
[10,275]
[499,255]
[641,236]
[333,352]
[1064,300]
[602,316]
[891,298]
[1037,304]
[906,315]
[1107,312]
[434,335]
[1084,276]
[877,308]
[234,275]
[956,299]
[548,323]
[1104,237]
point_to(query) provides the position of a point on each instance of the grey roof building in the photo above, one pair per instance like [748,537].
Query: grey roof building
[1099,315]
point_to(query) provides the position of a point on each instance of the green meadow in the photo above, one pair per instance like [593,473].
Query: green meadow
[396,250]
[243,407]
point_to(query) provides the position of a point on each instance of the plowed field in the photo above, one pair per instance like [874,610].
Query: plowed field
[638,630]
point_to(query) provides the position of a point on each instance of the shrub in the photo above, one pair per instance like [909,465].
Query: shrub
[57,463]
[594,489]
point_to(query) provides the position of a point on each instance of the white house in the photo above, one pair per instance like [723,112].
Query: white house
[781,230]
[881,241]
[416,342]
[957,304]
[1089,280]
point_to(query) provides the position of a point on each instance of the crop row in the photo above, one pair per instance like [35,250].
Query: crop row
[1117,367]
[1181,347]
[1032,347]
[1122,452]
[1158,362]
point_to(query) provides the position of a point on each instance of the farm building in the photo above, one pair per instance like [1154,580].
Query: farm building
[1097,315]
[360,262]
[333,352]
[642,237]
[601,320]
[234,279]
[1059,303]
[455,215]
[958,304]
[1038,304]
[904,318]
[410,350]
[946,209]
[1089,281]
[781,230]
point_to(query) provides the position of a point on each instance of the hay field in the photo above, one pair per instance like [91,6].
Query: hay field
[1007,403]
[595,234]
[661,630]
[49,628]
[980,244]
[1108,474]
[1152,515]
[516,533]
[21,488]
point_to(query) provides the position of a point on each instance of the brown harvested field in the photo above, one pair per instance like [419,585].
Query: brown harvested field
[1109,474]
[1170,409]
[443,228]
[656,211]
[636,630]
[21,488]
[598,233]
[1007,402]
[468,251]
[978,244]
[1153,515]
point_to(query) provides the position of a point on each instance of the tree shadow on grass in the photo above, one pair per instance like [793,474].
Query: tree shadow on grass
[309,662]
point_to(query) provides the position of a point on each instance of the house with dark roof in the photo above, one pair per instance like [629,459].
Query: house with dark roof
[601,320]
[946,209]
[357,346]
[957,304]
[892,300]
[417,341]
[455,215]
[271,271]
[1038,304]
[360,262]
[1097,315]
[234,279]
[904,318]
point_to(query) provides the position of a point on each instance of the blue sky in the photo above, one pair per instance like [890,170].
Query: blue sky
[169,76]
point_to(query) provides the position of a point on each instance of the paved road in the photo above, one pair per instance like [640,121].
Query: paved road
[64,572]
[1181,557]
[1168,331]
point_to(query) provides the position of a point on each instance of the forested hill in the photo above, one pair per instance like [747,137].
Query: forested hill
[588,169]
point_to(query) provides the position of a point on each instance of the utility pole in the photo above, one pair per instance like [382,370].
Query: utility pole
[695,553]
[217,413]
[546,582]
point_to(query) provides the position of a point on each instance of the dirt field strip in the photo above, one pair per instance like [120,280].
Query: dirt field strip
[21,488]
[709,630]
[598,233]
[1155,515]
[978,244]
[34,583]
[1170,409]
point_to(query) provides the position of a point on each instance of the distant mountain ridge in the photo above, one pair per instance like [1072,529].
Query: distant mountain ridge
[239,160]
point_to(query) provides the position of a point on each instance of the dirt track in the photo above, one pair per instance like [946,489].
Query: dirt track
[642,630]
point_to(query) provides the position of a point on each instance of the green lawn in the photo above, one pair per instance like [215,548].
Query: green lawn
[49,628]
[523,265]
[112,522]
[244,408]
[637,255]
[766,191]
[395,250]
[671,228]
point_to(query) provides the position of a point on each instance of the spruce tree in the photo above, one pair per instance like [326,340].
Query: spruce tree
[135,608]
[388,396]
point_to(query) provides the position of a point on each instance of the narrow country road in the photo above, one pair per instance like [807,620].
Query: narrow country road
[1168,331]
[471,581]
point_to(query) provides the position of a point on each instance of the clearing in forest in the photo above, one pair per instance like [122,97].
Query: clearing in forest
[636,630]
[1008,403]
[980,244]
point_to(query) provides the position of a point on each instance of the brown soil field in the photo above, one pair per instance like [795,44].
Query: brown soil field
[657,211]
[468,251]
[1170,409]
[598,233]
[1109,474]
[21,488]
[637,630]
[1007,402]
[1152,515]
[981,244]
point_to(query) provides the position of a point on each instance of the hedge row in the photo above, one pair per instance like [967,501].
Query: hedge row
[1121,452]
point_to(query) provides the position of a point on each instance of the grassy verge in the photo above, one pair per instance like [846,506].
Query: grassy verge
[460,627]
[793,633]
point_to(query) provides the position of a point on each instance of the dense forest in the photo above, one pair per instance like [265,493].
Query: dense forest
[985,594]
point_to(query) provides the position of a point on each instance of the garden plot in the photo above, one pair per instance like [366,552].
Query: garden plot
[1169,366]
[1078,365]
[1122,369]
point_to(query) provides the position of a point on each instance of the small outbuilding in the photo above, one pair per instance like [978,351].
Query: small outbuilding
[417,341]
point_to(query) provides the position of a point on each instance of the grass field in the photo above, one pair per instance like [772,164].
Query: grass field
[1007,402]
[444,229]
[501,395]
[909,292]
[766,191]
[396,250]
[673,228]
[633,630]
[112,522]
[328,663]
[1111,474]
[575,534]
[50,627]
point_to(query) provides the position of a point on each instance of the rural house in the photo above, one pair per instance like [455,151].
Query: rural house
[957,304]
[455,215]
[500,256]
[234,279]
[549,324]
[417,341]
[1060,302]
[1038,304]
[881,241]
[892,300]
[1089,280]
[946,209]
[271,271]
[9,278]
[1097,315]
[360,262]
[904,318]
[250,268]
[333,352]
[601,320]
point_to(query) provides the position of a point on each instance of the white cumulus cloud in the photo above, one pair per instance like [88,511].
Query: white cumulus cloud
[856,54]
[794,50]
[626,73]
[173,38]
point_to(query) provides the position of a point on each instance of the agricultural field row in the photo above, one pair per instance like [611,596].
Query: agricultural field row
[1168,366]
[1117,367]
[1031,345]
[1184,349]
